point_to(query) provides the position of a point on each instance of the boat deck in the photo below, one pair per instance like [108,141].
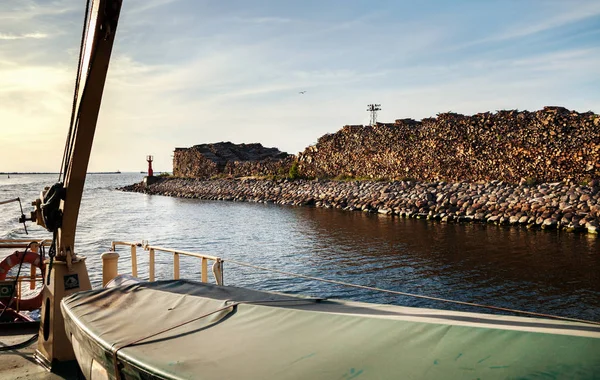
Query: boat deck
[20,364]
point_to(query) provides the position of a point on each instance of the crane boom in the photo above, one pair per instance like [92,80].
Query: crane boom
[69,273]
[96,50]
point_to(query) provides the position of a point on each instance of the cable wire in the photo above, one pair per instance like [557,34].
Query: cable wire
[16,282]
[22,216]
[70,135]
[33,338]
[18,346]
[497,308]
[51,255]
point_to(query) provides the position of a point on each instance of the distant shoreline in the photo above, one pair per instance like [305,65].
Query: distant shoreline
[28,173]
[42,173]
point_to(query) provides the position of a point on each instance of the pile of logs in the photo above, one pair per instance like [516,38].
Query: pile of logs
[279,167]
[226,158]
[548,145]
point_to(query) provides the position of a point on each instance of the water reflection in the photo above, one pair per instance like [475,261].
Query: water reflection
[489,264]
[540,271]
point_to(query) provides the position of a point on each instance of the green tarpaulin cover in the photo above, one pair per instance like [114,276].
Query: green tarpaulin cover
[238,333]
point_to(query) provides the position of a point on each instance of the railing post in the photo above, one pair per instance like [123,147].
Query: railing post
[217,268]
[176,266]
[18,285]
[218,271]
[204,270]
[133,261]
[34,249]
[32,278]
[151,264]
[110,266]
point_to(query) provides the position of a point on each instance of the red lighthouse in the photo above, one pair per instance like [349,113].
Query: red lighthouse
[149,159]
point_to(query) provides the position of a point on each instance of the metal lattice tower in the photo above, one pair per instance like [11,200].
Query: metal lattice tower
[373,108]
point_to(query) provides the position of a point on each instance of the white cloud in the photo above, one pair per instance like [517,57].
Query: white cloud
[27,10]
[139,6]
[37,36]
[573,12]
[237,78]
[555,16]
[264,20]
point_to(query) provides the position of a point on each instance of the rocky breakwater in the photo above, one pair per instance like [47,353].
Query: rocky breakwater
[562,205]
[548,145]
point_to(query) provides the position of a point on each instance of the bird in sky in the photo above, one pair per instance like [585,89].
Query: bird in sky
[302,92]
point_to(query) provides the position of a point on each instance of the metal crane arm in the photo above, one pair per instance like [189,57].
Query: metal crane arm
[96,47]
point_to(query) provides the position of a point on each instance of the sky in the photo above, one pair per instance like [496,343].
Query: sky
[186,72]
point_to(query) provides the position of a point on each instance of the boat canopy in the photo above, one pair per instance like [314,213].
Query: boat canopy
[190,330]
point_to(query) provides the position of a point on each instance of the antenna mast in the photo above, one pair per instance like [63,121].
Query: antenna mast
[373,108]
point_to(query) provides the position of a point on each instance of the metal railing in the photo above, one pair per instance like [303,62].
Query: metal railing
[23,243]
[110,269]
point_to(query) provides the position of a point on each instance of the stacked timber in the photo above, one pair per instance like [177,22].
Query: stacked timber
[226,158]
[548,145]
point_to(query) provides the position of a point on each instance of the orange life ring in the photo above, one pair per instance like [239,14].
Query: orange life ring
[13,260]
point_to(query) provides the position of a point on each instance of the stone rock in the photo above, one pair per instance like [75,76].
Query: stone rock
[400,198]
[549,223]
[493,219]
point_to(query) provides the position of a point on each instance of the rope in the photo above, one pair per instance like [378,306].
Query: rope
[71,135]
[116,349]
[22,218]
[51,255]
[34,337]
[16,282]
[372,288]
[232,306]
[18,346]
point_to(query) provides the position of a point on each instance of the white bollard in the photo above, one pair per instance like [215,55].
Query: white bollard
[110,266]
